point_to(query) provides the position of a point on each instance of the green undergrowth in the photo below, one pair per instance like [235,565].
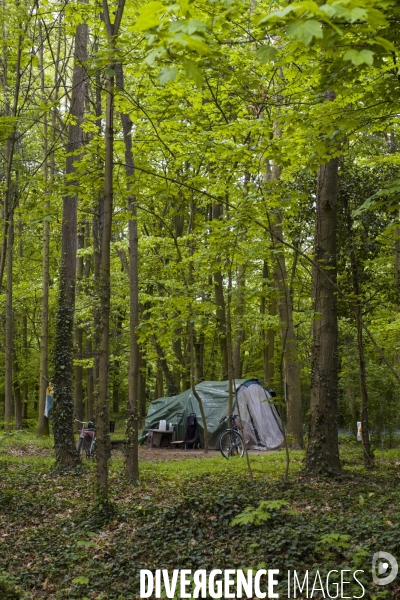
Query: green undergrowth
[54,544]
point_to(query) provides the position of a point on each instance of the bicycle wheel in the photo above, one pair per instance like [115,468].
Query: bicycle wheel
[231,444]
[79,447]
[91,453]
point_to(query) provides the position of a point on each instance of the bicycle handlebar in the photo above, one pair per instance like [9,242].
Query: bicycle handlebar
[233,417]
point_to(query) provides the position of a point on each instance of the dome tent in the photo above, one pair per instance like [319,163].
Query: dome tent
[261,422]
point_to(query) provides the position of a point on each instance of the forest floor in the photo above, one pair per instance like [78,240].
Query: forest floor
[55,545]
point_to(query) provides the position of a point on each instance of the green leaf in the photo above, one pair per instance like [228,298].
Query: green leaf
[386,44]
[167,74]
[193,72]
[359,57]
[305,31]
[81,580]
[149,16]
[266,53]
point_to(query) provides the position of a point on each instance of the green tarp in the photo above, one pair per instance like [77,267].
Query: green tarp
[214,395]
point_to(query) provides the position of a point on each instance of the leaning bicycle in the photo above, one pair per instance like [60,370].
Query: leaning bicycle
[231,442]
[87,439]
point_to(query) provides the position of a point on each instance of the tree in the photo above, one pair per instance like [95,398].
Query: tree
[63,409]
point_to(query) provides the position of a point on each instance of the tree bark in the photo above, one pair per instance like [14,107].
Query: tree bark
[288,343]
[63,408]
[43,423]
[323,450]
[220,305]
[268,334]
[8,379]
[291,365]
[133,409]
[239,331]
[102,397]
[360,342]
[78,395]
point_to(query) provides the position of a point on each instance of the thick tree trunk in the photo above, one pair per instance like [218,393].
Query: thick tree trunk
[63,407]
[8,379]
[323,451]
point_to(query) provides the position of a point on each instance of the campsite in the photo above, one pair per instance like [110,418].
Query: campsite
[199,299]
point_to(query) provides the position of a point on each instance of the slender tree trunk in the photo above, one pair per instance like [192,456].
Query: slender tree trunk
[360,343]
[268,334]
[17,394]
[288,343]
[291,365]
[323,450]
[239,331]
[43,423]
[78,336]
[220,305]
[88,339]
[8,380]
[133,409]
[142,384]
[63,407]
[191,342]
[102,396]
[199,357]
[10,145]
[132,455]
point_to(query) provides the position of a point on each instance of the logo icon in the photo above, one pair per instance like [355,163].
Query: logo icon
[381,561]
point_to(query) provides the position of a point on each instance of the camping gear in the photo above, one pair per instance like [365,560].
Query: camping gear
[192,438]
[256,409]
[162,425]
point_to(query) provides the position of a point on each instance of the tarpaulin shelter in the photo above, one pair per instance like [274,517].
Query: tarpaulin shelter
[261,422]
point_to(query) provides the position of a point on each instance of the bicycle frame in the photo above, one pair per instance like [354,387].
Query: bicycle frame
[87,431]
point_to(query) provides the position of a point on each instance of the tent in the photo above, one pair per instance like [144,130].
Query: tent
[261,422]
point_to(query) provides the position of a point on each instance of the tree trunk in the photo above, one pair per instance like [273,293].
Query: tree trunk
[239,331]
[360,343]
[63,407]
[102,399]
[133,409]
[78,396]
[220,305]
[17,395]
[199,357]
[323,450]
[288,343]
[291,365]
[268,334]
[8,380]
[43,423]
[142,384]
[132,456]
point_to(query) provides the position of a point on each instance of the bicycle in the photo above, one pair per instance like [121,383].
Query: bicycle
[87,439]
[231,441]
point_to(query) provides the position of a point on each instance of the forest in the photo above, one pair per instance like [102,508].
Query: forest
[198,190]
